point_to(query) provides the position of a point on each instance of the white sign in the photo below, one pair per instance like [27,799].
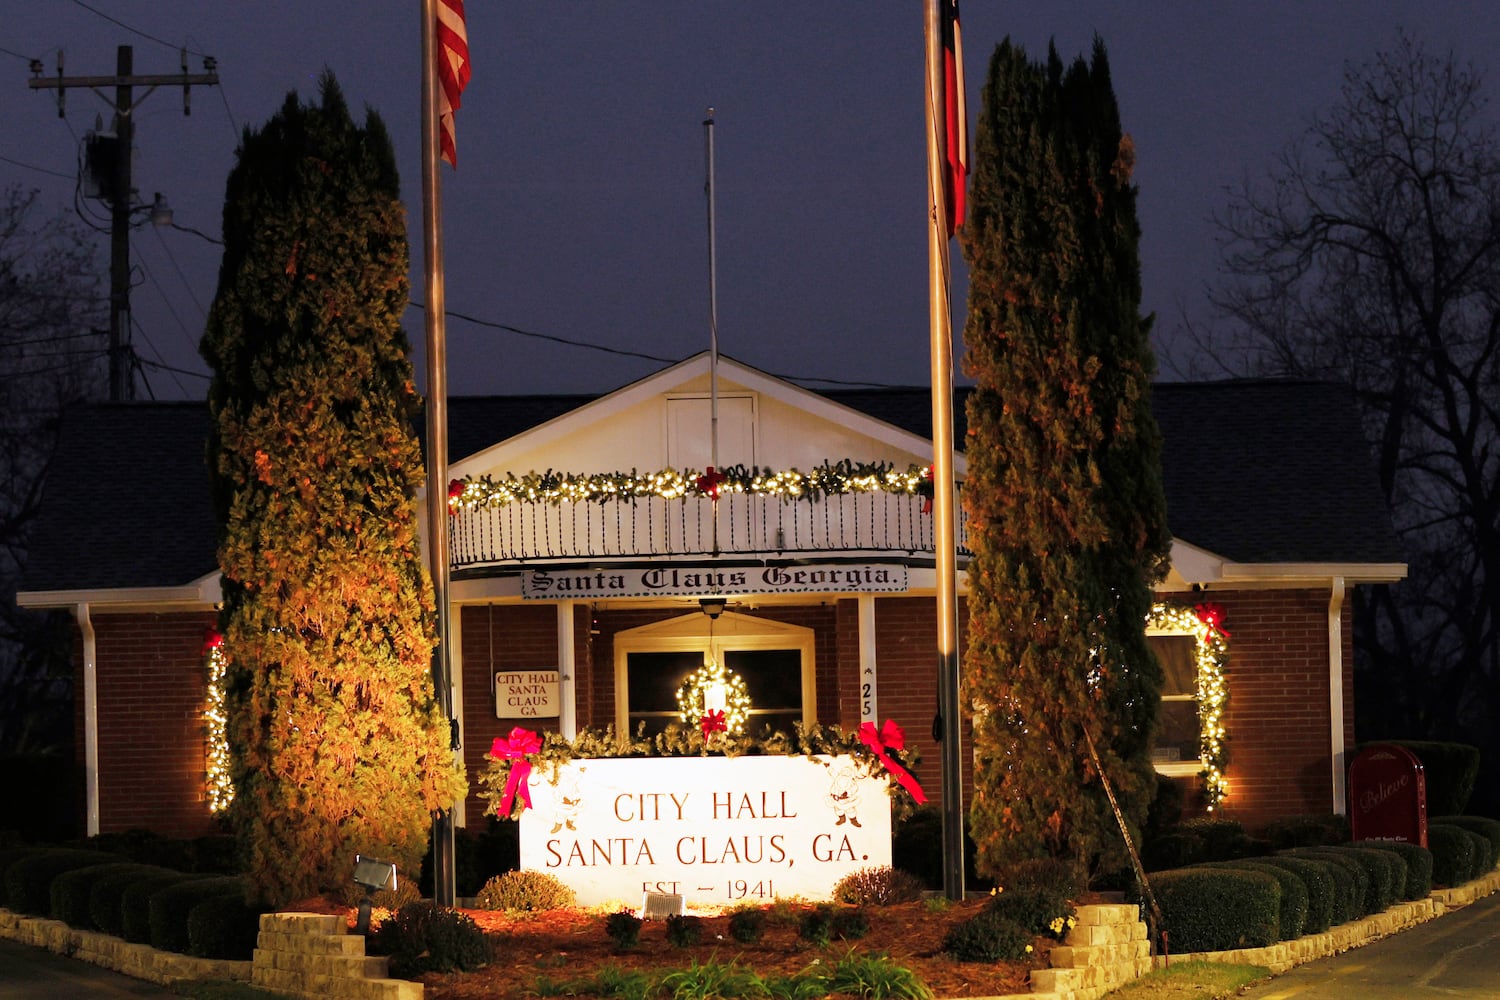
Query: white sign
[713,829]
[712,581]
[522,694]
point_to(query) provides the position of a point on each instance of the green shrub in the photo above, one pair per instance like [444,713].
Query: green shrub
[684,930]
[424,937]
[168,909]
[107,892]
[850,924]
[623,928]
[224,927]
[747,925]
[1418,865]
[71,890]
[1450,771]
[917,847]
[1490,828]
[879,886]
[524,890]
[1292,916]
[1359,892]
[1215,909]
[146,847]
[28,880]
[1220,836]
[1452,854]
[1317,879]
[816,925]
[1311,830]
[988,937]
[1385,870]
[135,903]
[10,853]
[1174,850]
[1039,909]
[216,854]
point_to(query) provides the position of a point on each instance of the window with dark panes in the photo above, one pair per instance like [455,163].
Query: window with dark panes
[1177,727]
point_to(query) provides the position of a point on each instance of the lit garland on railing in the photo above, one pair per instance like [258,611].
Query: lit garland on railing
[1205,623]
[559,487]
[218,787]
[713,688]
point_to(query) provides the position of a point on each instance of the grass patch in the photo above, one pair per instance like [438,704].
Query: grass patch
[222,989]
[1191,981]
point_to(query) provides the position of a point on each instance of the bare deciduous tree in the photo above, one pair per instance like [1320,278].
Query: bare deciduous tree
[50,355]
[1370,254]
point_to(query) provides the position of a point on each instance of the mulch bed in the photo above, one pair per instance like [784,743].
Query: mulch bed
[571,944]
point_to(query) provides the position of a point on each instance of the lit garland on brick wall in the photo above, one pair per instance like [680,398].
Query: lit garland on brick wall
[694,701]
[218,787]
[1205,623]
[559,487]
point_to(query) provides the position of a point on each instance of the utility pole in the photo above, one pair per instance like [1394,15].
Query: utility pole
[118,186]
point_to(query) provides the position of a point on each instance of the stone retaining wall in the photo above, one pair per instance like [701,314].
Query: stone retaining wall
[313,955]
[139,961]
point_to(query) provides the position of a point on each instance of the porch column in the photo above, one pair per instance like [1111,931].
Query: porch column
[1336,691]
[456,696]
[868,710]
[567,711]
[90,720]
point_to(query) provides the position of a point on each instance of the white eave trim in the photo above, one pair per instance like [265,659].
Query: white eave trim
[202,593]
[1194,566]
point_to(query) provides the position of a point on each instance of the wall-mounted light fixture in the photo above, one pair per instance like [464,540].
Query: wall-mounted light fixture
[712,606]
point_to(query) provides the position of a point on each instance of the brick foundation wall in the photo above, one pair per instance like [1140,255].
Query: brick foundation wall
[1278,716]
[152,748]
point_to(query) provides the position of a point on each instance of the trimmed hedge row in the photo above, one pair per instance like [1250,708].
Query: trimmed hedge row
[1418,865]
[191,913]
[1215,909]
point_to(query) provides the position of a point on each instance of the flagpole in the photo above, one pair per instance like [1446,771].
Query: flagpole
[713,316]
[941,353]
[443,860]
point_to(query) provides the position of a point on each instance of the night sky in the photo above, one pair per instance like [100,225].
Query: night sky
[578,210]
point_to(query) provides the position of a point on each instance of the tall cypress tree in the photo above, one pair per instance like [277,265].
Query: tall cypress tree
[1066,511]
[337,742]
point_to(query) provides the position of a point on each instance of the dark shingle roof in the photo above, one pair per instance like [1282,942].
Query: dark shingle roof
[1255,471]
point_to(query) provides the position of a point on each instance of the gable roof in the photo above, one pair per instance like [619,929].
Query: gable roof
[1256,471]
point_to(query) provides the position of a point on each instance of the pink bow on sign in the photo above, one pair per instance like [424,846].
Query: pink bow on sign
[713,722]
[521,743]
[890,737]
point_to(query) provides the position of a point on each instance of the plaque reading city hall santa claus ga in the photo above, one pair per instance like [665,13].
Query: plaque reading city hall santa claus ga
[711,829]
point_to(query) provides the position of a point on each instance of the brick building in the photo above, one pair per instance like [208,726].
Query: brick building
[572,614]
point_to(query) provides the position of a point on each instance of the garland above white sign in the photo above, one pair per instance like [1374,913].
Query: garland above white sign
[713,581]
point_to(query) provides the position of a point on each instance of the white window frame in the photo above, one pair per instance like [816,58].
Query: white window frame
[1193,766]
[731,632]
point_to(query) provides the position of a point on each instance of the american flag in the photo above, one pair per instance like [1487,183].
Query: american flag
[955,113]
[452,71]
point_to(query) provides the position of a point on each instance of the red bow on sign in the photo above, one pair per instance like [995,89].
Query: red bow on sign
[709,482]
[713,722]
[890,737]
[521,743]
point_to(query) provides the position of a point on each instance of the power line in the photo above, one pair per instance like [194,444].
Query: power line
[25,59]
[138,31]
[622,352]
[170,368]
[33,166]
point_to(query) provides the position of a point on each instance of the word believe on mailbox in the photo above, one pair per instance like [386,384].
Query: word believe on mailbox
[526,694]
[1388,795]
[712,829]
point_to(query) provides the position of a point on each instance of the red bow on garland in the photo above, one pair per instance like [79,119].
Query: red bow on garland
[926,489]
[212,640]
[521,743]
[713,722]
[890,737]
[709,482]
[1213,616]
[455,490]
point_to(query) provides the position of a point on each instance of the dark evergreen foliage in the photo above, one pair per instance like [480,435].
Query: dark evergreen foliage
[338,746]
[1064,497]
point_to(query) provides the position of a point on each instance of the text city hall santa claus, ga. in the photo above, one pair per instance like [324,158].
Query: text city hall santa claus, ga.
[697,849]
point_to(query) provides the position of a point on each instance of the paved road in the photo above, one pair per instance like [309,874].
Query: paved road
[28,973]
[1456,955]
